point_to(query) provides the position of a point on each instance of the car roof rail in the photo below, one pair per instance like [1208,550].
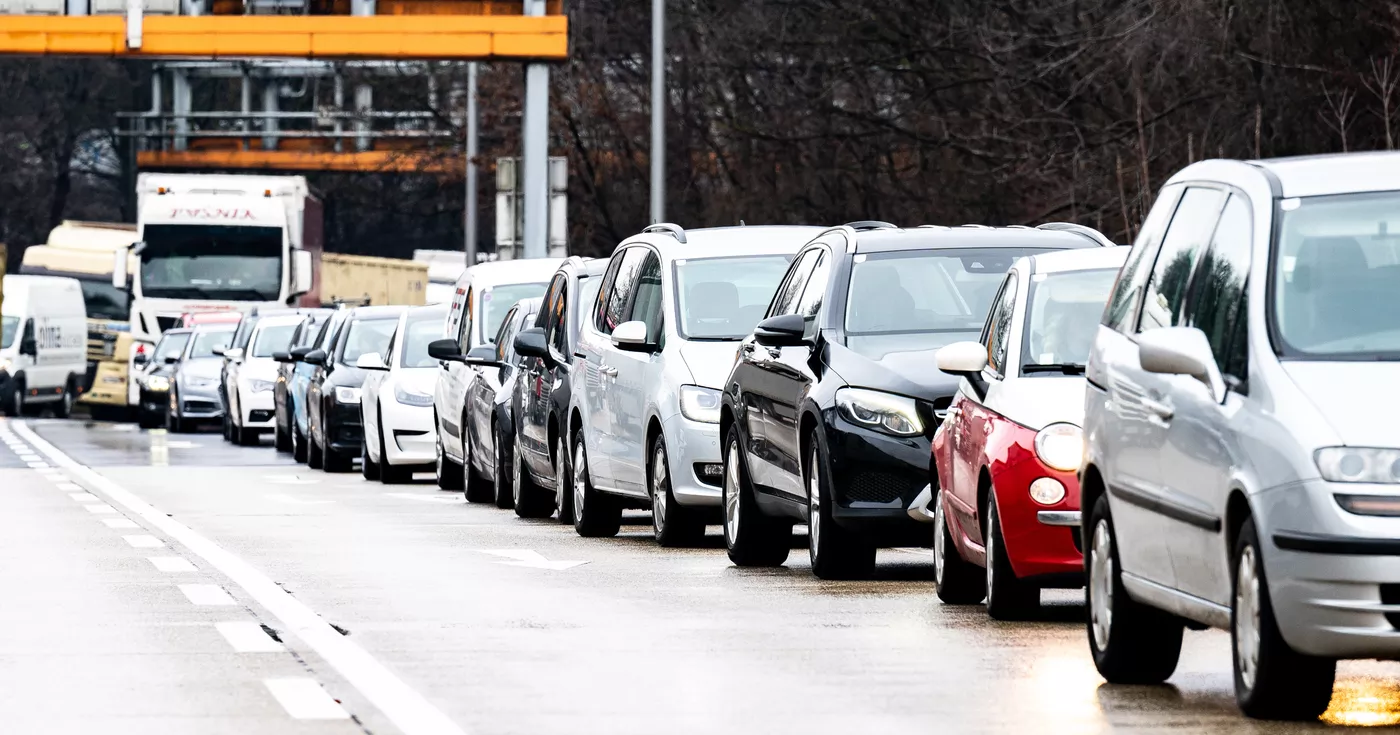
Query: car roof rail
[1081,230]
[668,228]
[933,227]
[865,225]
[977,227]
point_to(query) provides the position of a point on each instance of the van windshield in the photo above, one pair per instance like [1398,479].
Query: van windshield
[9,327]
[723,298]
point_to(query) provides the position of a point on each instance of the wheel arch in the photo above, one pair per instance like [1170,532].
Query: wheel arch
[1237,511]
[1091,488]
[808,426]
[984,493]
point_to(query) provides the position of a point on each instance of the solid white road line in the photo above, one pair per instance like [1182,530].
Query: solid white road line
[100,508]
[144,541]
[304,699]
[249,638]
[172,564]
[120,523]
[403,706]
[206,594]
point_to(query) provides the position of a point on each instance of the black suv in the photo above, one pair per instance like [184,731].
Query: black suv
[334,431]
[829,410]
[544,391]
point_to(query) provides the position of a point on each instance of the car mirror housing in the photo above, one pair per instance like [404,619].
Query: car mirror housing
[315,357]
[1181,351]
[445,349]
[171,359]
[281,356]
[371,361]
[787,330]
[298,354]
[531,343]
[632,337]
[484,356]
[140,359]
[962,358]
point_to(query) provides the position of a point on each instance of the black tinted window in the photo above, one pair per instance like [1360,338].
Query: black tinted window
[999,325]
[785,300]
[619,299]
[1186,237]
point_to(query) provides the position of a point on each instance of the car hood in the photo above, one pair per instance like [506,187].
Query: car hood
[346,375]
[1346,395]
[1037,402]
[259,369]
[709,362]
[418,380]
[203,367]
[909,373]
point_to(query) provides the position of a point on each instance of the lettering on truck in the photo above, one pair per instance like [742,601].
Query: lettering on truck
[214,213]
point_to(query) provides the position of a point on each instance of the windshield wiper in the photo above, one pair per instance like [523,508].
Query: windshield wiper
[1066,368]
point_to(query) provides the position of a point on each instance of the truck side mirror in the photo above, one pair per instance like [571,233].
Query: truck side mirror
[29,347]
[119,268]
[302,271]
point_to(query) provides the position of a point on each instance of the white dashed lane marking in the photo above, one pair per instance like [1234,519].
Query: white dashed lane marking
[206,594]
[304,699]
[72,487]
[249,638]
[172,564]
[144,541]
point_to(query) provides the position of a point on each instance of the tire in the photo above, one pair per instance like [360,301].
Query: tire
[596,514]
[64,409]
[336,462]
[299,448]
[1277,683]
[315,457]
[449,473]
[835,552]
[531,500]
[15,405]
[149,420]
[228,428]
[1008,598]
[563,481]
[282,439]
[674,525]
[956,580]
[751,538]
[248,437]
[475,488]
[503,475]
[1130,642]
[389,474]
[173,424]
[369,469]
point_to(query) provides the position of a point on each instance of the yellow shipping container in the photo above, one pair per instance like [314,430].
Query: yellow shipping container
[362,279]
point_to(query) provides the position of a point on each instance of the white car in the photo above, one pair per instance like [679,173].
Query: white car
[483,296]
[396,400]
[250,402]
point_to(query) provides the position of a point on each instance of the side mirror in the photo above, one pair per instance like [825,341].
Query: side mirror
[140,359]
[446,350]
[787,330]
[315,357]
[280,356]
[632,337]
[119,268]
[485,356]
[299,354]
[171,359]
[218,351]
[1181,351]
[232,353]
[530,343]
[302,271]
[962,358]
[371,361]
[29,347]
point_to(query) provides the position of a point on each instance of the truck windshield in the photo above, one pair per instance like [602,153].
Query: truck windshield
[105,301]
[9,327]
[228,262]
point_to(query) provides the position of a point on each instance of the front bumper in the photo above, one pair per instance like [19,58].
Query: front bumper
[876,479]
[199,403]
[408,435]
[257,409]
[1041,540]
[153,401]
[692,449]
[342,431]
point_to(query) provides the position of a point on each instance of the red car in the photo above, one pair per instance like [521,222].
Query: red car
[1006,510]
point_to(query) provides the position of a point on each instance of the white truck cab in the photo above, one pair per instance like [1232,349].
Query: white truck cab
[43,343]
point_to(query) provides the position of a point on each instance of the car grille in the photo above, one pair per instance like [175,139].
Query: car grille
[874,486]
[200,407]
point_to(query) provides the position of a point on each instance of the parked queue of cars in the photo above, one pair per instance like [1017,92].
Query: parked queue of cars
[1192,427]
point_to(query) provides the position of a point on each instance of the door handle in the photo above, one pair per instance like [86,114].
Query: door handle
[608,370]
[1160,409]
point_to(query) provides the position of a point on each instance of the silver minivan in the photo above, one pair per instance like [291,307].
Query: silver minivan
[1242,458]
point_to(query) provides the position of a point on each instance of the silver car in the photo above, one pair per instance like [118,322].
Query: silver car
[1242,458]
[654,352]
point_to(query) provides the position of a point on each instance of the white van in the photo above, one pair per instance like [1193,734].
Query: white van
[43,343]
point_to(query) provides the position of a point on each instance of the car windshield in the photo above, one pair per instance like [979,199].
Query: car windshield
[1063,311]
[308,333]
[912,300]
[1336,277]
[723,298]
[417,334]
[212,262]
[171,345]
[272,339]
[105,301]
[206,342]
[497,302]
[368,335]
[9,328]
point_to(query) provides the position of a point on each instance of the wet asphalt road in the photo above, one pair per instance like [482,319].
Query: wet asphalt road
[136,603]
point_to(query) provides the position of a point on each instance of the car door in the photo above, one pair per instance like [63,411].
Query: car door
[591,396]
[1202,450]
[488,382]
[371,390]
[1150,510]
[757,384]
[790,374]
[536,379]
[627,397]
[456,380]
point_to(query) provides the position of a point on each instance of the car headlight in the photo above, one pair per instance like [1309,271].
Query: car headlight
[345,394]
[699,403]
[4,364]
[260,386]
[1060,446]
[1359,464]
[157,383]
[411,398]
[885,412]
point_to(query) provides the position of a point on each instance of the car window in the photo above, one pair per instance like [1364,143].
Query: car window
[414,344]
[600,306]
[1120,314]
[497,300]
[170,345]
[555,292]
[723,298]
[1186,237]
[587,296]
[244,331]
[554,316]
[1062,315]
[9,328]
[619,299]
[204,343]
[464,326]
[999,325]
[646,298]
[790,290]
[273,339]
[1220,285]
[363,336]
[504,335]
[815,291]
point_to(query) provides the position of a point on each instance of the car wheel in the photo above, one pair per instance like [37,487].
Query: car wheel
[390,474]
[1008,598]
[752,538]
[147,419]
[563,482]
[299,448]
[173,424]
[226,424]
[331,460]
[835,552]
[1272,681]
[282,438]
[248,437]
[64,409]
[956,580]
[474,487]
[369,469]
[1131,643]
[531,500]
[596,514]
[315,458]
[673,524]
[504,481]
[449,473]
[15,406]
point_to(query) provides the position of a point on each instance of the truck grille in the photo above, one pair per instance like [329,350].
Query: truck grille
[100,345]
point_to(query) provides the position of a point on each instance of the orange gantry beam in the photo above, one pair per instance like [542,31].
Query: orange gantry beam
[457,37]
[353,161]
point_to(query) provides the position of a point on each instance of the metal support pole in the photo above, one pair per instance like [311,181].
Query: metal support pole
[180,107]
[658,111]
[364,103]
[245,102]
[470,226]
[157,107]
[77,7]
[535,163]
[270,103]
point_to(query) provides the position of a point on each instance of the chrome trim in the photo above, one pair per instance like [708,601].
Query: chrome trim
[918,509]
[1059,518]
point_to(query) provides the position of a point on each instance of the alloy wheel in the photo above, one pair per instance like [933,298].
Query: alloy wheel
[940,546]
[991,545]
[561,474]
[814,505]
[731,494]
[659,491]
[515,470]
[580,478]
[1247,617]
[1101,584]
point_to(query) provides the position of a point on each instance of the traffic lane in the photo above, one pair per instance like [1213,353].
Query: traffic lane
[105,628]
[639,637]
[105,444]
